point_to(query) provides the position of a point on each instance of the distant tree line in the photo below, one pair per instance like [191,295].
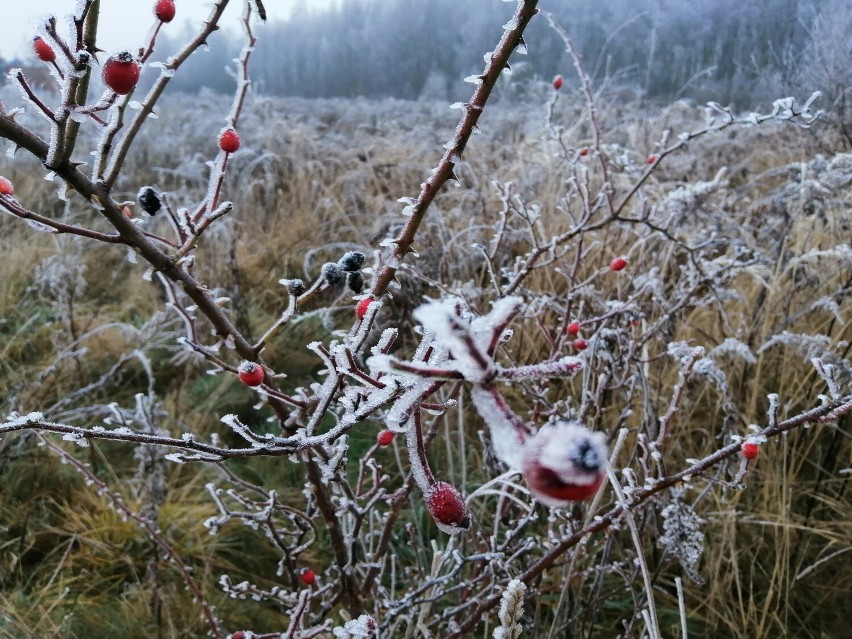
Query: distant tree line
[729,50]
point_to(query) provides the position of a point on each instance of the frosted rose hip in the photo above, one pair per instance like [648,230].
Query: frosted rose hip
[251,374]
[229,141]
[165,10]
[121,72]
[750,449]
[43,51]
[564,462]
[6,187]
[385,437]
[446,505]
[618,264]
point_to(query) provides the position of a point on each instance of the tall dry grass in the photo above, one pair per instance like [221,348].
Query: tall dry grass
[316,178]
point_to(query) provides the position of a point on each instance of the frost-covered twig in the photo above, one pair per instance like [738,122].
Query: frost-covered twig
[831,409]
[495,62]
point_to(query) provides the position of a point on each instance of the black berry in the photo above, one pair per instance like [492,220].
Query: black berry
[352,261]
[149,200]
[296,287]
[332,273]
[355,281]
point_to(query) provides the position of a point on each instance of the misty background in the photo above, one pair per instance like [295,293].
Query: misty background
[732,51]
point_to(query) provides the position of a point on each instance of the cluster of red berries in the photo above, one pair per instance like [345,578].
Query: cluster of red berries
[573,329]
[120,71]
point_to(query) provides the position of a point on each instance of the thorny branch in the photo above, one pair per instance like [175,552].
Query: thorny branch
[456,345]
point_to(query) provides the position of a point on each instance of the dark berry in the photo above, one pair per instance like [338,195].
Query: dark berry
[352,261]
[355,281]
[295,287]
[332,273]
[149,200]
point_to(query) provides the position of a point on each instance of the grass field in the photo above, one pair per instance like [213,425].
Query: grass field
[745,251]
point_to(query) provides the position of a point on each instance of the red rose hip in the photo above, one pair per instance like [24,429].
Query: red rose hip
[251,374]
[446,505]
[362,306]
[618,264]
[6,187]
[229,141]
[165,10]
[309,577]
[580,344]
[750,449]
[43,51]
[557,82]
[121,73]
[564,462]
[384,438]
[573,328]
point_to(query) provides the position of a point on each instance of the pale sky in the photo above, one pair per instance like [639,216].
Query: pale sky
[124,24]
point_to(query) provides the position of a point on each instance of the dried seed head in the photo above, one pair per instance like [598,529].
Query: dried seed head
[564,462]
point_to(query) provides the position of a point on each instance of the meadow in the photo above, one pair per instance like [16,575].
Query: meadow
[730,321]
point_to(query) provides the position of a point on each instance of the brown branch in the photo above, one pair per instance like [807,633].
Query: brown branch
[499,59]
[156,91]
[13,207]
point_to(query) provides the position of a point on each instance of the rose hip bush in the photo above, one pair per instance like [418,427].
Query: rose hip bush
[501,389]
